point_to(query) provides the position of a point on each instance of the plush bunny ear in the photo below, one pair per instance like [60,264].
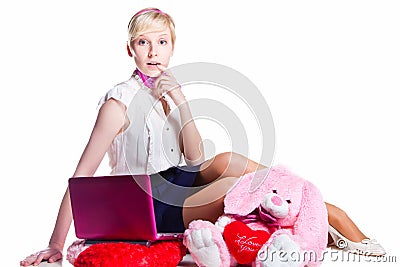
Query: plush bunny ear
[312,222]
[258,179]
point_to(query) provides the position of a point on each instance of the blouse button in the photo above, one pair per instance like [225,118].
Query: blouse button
[172,150]
[167,128]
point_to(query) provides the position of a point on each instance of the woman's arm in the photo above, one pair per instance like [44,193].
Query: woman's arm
[108,124]
[190,140]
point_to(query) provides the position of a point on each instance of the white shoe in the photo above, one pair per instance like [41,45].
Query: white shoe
[367,247]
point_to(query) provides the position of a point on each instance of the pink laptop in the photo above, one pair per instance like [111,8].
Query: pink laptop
[114,208]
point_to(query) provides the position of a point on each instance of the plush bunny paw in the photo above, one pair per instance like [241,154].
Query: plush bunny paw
[206,245]
[281,252]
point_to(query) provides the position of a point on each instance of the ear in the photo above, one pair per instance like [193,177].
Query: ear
[128,49]
[312,221]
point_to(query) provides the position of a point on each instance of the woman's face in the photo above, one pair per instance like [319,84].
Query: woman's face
[152,48]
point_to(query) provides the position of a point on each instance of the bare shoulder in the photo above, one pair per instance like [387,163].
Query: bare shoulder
[111,115]
[112,106]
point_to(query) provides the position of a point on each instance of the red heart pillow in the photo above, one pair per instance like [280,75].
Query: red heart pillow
[244,243]
[166,254]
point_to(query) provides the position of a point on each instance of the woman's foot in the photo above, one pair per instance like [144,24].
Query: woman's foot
[367,247]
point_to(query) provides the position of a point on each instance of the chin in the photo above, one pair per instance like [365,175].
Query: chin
[153,73]
[149,72]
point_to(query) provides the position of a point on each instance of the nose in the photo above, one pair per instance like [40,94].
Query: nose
[152,51]
[277,201]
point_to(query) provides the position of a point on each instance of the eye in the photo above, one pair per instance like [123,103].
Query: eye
[142,42]
[275,191]
[163,42]
[288,201]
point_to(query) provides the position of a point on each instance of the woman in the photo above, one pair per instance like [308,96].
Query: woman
[151,43]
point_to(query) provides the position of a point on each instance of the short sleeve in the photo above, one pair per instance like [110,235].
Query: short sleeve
[123,92]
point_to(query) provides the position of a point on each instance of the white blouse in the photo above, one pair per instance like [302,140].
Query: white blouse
[150,143]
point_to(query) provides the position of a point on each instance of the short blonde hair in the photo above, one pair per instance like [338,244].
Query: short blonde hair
[150,19]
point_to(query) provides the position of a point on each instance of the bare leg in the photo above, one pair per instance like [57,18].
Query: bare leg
[207,204]
[342,222]
[230,164]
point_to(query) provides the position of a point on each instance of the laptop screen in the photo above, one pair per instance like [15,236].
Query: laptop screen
[113,207]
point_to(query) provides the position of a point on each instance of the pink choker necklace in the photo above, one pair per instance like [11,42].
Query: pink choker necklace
[147,80]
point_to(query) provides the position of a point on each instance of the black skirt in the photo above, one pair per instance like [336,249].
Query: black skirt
[170,189]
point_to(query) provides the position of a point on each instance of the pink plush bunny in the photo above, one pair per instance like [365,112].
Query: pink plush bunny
[281,222]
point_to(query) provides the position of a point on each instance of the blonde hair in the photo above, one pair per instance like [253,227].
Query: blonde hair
[150,19]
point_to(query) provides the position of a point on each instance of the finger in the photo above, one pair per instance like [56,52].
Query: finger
[38,259]
[172,85]
[164,70]
[55,257]
[158,80]
[169,87]
[161,67]
[24,263]
[28,260]
[166,84]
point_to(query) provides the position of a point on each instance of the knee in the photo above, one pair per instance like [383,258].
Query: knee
[223,161]
[225,157]
[233,164]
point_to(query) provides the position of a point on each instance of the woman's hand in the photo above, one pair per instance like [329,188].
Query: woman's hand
[190,140]
[51,254]
[167,84]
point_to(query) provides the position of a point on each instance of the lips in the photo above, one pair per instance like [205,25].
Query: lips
[153,63]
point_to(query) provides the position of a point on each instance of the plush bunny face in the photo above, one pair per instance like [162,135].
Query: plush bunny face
[289,189]
[278,185]
[274,205]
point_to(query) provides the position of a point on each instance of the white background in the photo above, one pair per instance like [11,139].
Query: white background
[329,72]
